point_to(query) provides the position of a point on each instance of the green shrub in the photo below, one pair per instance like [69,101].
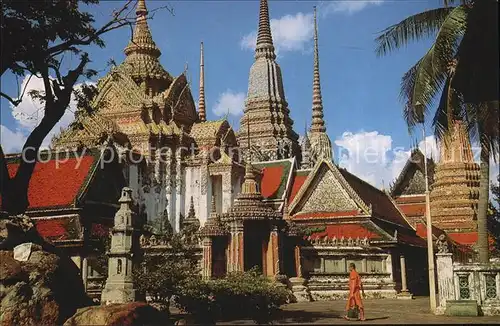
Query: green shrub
[239,295]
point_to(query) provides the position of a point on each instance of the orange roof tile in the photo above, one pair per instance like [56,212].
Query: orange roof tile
[413,209]
[56,184]
[297,182]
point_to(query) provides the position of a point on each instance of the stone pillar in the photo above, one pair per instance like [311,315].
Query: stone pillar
[119,286]
[272,259]
[446,288]
[388,266]
[85,270]
[236,250]
[179,193]
[204,194]
[226,191]
[405,294]
[169,197]
[207,258]
[298,266]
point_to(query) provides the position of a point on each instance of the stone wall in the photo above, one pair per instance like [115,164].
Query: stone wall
[327,273]
[473,281]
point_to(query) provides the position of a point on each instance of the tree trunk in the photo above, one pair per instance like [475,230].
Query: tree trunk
[482,214]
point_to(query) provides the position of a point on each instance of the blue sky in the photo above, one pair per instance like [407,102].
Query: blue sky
[360,91]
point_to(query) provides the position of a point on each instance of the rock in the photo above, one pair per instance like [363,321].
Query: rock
[135,313]
[44,290]
[16,230]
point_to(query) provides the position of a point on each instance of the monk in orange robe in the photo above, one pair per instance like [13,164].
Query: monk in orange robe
[355,290]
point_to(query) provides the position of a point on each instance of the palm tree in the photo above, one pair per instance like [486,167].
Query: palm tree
[462,68]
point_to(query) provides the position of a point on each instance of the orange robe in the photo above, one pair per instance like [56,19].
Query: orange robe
[354,291]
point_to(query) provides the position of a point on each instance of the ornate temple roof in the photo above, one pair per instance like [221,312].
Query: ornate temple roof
[206,133]
[249,204]
[275,178]
[411,179]
[64,179]
[142,54]
[67,228]
[299,177]
[381,203]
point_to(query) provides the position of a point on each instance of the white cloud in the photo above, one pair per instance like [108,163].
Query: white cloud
[369,155]
[230,102]
[11,141]
[29,113]
[348,7]
[290,33]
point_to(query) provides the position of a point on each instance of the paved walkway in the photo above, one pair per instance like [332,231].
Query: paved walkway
[378,311]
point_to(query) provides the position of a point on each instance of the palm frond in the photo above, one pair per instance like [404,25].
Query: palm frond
[413,28]
[477,75]
[421,84]
[450,108]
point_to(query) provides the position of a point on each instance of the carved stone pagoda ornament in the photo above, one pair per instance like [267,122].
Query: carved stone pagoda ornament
[119,286]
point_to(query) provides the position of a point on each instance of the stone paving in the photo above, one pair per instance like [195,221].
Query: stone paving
[378,311]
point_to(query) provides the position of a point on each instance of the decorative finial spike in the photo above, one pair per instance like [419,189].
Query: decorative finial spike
[318,124]
[141,8]
[264,47]
[201,100]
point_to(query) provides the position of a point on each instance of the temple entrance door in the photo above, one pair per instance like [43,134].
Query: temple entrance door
[219,258]
[252,239]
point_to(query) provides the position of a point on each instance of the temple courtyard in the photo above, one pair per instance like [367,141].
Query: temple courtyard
[378,311]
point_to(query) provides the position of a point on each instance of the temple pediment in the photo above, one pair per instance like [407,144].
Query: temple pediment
[326,192]
[178,101]
[118,93]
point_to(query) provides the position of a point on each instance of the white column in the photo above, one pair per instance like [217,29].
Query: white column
[84,273]
[446,287]
[405,294]
[403,274]
[226,191]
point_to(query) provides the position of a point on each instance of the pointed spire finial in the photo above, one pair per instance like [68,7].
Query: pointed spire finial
[201,99]
[264,47]
[318,124]
[141,8]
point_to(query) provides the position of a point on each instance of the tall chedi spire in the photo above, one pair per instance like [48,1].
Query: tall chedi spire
[266,108]
[455,192]
[201,100]
[141,62]
[320,142]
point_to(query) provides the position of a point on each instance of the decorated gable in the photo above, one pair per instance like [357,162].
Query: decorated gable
[324,194]
[411,180]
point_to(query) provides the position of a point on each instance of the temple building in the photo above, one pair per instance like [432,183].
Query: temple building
[261,199]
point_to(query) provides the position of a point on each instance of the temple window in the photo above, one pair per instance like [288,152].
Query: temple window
[463,285]
[374,265]
[491,286]
[119,267]
[335,265]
